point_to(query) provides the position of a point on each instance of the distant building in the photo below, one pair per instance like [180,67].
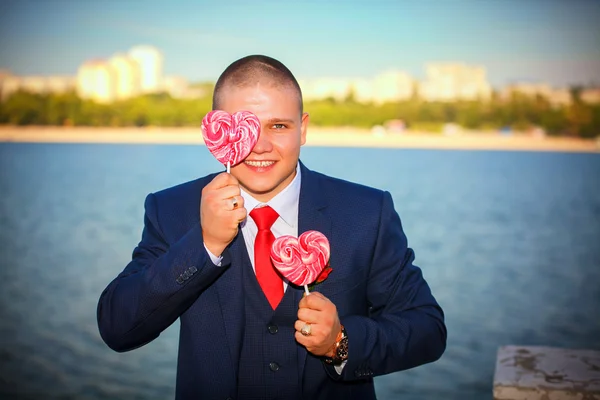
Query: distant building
[590,96]
[179,88]
[33,84]
[388,86]
[4,74]
[60,84]
[556,97]
[362,90]
[95,81]
[322,88]
[392,86]
[455,81]
[150,61]
[176,86]
[122,76]
[10,84]
[125,76]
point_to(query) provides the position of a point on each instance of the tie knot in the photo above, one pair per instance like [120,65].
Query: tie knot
[264,217]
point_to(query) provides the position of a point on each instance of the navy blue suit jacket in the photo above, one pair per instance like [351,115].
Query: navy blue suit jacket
[392,320]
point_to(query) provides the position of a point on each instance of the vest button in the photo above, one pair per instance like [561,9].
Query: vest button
[273,329]
[274,366]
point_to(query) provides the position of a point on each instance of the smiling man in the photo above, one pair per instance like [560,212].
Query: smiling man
[247,333]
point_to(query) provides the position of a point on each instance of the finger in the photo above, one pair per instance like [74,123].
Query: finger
[319,295]
[222,180]
[315,301]
[240,214]
[237,202]
[299,324]
[233,203]
[303,340]
[229,191]
[309,315]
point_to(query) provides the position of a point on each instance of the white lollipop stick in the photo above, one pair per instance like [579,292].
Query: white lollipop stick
[306,290]
[228,167]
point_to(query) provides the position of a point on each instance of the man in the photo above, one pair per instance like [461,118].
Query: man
[245,332]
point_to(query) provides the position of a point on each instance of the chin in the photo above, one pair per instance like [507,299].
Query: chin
[260,189]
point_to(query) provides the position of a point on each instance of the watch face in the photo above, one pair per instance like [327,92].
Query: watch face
[342,350]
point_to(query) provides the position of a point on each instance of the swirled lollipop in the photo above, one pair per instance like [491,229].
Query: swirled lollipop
[302,259]
[230,138]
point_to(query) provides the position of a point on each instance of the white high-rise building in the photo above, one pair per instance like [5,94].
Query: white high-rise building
[126,74]
[95,81]
[150,61]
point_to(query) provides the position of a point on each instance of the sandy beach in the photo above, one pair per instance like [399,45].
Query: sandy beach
[317,136]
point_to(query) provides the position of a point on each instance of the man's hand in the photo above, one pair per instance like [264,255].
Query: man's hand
[218,215]
[321,314]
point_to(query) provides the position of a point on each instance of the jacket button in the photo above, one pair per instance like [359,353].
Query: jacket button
[274,366]
[273,329]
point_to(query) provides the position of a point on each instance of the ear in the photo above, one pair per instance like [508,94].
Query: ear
[305,120]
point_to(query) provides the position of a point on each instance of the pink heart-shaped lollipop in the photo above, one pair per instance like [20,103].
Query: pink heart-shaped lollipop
[230,138]
[301,260]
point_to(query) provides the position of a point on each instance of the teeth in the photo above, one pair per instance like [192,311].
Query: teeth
[259,163]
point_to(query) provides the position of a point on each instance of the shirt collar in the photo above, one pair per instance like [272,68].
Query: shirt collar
[285,203]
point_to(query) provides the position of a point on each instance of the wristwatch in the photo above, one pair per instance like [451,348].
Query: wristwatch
[340,348]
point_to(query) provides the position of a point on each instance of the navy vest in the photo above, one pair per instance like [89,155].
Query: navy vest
[268,366]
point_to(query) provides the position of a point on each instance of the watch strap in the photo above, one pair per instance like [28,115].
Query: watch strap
[340,348]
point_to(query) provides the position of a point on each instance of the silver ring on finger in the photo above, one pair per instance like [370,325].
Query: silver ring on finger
[306,329]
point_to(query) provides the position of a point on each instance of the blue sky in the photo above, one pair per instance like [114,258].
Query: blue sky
[516,40]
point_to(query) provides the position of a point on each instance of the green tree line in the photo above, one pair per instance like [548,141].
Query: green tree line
[520,112]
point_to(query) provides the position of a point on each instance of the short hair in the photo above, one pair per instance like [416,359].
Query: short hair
[253,69]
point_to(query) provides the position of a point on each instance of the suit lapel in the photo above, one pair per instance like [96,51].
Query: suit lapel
[312,215]
[230,288]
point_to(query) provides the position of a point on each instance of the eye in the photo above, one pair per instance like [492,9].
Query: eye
[278,126]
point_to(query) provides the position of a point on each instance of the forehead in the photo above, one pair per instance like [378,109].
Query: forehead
[263,99]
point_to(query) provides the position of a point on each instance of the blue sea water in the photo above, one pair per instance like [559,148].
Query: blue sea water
[508,241]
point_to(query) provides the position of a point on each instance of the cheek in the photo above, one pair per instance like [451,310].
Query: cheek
[286,144]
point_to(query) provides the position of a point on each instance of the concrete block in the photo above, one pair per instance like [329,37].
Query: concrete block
[546,373]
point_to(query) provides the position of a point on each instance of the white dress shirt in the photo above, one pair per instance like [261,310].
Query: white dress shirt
[285,203]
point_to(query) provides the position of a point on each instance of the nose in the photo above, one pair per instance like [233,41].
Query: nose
[263,144]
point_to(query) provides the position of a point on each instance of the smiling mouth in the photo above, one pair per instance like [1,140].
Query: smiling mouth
[259,164]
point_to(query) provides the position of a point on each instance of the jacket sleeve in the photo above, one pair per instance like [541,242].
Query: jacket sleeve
[405,326]
[161,281]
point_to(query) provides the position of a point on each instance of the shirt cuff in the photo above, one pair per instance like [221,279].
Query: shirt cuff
[340,368]
[215,260]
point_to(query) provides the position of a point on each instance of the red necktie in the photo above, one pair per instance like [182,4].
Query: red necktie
[268,278]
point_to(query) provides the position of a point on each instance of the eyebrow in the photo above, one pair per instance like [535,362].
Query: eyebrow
[280,121]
